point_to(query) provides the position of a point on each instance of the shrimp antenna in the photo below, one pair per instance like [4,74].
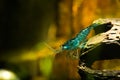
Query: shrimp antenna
[55,51]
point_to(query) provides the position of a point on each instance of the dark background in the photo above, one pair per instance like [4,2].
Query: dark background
[24,23]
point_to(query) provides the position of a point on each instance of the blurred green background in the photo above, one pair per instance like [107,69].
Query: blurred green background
[26,24]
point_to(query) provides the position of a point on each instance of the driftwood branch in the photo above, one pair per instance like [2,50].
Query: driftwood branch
[100,73]
[111,42]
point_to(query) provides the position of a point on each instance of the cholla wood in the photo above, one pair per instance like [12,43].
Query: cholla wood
[111,36]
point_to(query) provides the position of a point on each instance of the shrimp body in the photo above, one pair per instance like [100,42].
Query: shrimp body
[80,37]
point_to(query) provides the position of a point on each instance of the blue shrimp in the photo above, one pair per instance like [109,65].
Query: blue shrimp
[75,42]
